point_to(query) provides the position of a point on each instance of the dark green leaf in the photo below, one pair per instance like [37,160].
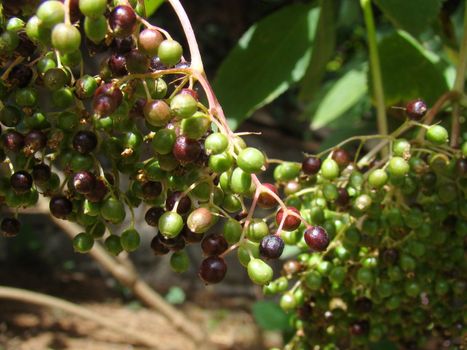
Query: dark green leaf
[383,345]
[413,16]
[270,316]
[409,70]
[271,55]
[151,6]
[345,93]
[324,45]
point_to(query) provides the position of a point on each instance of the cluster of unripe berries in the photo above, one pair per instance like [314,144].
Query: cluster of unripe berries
[372,239]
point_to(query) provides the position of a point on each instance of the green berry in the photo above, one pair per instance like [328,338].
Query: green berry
[113,245]
[83,242]
[130,240]
[398,167]
[232,231]
[92,8]
[437,134]
[183,105]
[164,141]
[251,160]
[287,302]
[170,224]
[51,13]
[257,230]
[36,31]
[113,210]
[95,28]
[66,38]
[196,126]
[330,169]
[15,24]
[259,272]
[401,148]
[220,163]
[240,181]
[378,178]
[216,143]
[170,52]
[179,261]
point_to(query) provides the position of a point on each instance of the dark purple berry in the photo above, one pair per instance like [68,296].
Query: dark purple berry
[157,247]
[363,305]
[41,173]
[21,181]
[175,244]
[416,109]
[117,65]
[98,193]
[13,140]
[122,21]
[343,197]
[85,141]
[152,216]
[184,203]
[390,256]
[271,247]
[317,238]
[311,165]
[190,236]
[60,207]
[10,227]
[35,140]
[212,269]
[122,46]
[156,64]
[186,150]
[341,157]
[359,328]
[291,221]
[151,190]
[84,182]
[214,244]
[137,62]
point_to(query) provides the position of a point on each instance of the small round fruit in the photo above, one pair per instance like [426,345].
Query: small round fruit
[398,167]
[416,109]
[113,245]
[83,242]
[200,220]
[66,38]
[157,112]
[170,224]
[266,199]
[113,210]
[95,28]
[84,181]
[92,8]
[51,13]
[232,231]
[251,160]
[10,227]
[316,238]
[122,21]
[214,244]
[216,143]
[212,269]
[85,141]
[271,247]
[130,240]
[183,105]
[378,178]
[170,52]
[330,169]
[149,41]
[437,134]
[341,157]
[259,272]
[311,165]
[186,150]
[179,261]
[60,207]
[21,181]
[291,222]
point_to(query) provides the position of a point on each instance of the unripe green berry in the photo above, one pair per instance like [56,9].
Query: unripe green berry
[95,28]
[437,134]
[217,143]
[251,160]
[259,272]
[130,240]
[113,245]
[330,169]
[51,12]
[183,105]
[179,261]
[170,224]
[92,8]
[398,167]
[83,242]
[170,52]
[378,178]
[66,38]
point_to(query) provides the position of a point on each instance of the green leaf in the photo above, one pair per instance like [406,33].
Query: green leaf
[409,70]
[343,95]
[323,51]
[272,55]
[270,316]
[413,16]
[151,6]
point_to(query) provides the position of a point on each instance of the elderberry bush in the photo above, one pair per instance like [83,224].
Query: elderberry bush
[378,237]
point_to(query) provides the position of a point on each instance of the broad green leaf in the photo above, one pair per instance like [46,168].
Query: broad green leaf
[270,316]
[343,95]
[272,55]
[413,16]
[324,45]
[409,70]
[151,6]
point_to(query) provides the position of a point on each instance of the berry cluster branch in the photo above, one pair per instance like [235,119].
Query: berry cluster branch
[80,311]
[459,86]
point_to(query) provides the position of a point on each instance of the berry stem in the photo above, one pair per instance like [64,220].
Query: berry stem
[459,86]
[375,68]
[66,5]
[195,55]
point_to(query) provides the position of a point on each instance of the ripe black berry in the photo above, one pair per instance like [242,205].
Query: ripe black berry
[151,189]
[214,244]
[117,65]
[343,197]
[184,203]
[10,227]
[271,247]
[122,46]
[190,236]
[152,216]
[186,150]
[35,140]
[122,21]
[60,207]
[157,247]
[85,141]
[98,193]
[175,243]
[21,181]
[416,109]
[213,269]
[13,141]
[311,165]
[41,173]
[317,238]
[341,157]
[84,182]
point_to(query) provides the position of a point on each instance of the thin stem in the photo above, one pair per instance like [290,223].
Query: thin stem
[459,86]
[67,11]
[196,61]
[375,68]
